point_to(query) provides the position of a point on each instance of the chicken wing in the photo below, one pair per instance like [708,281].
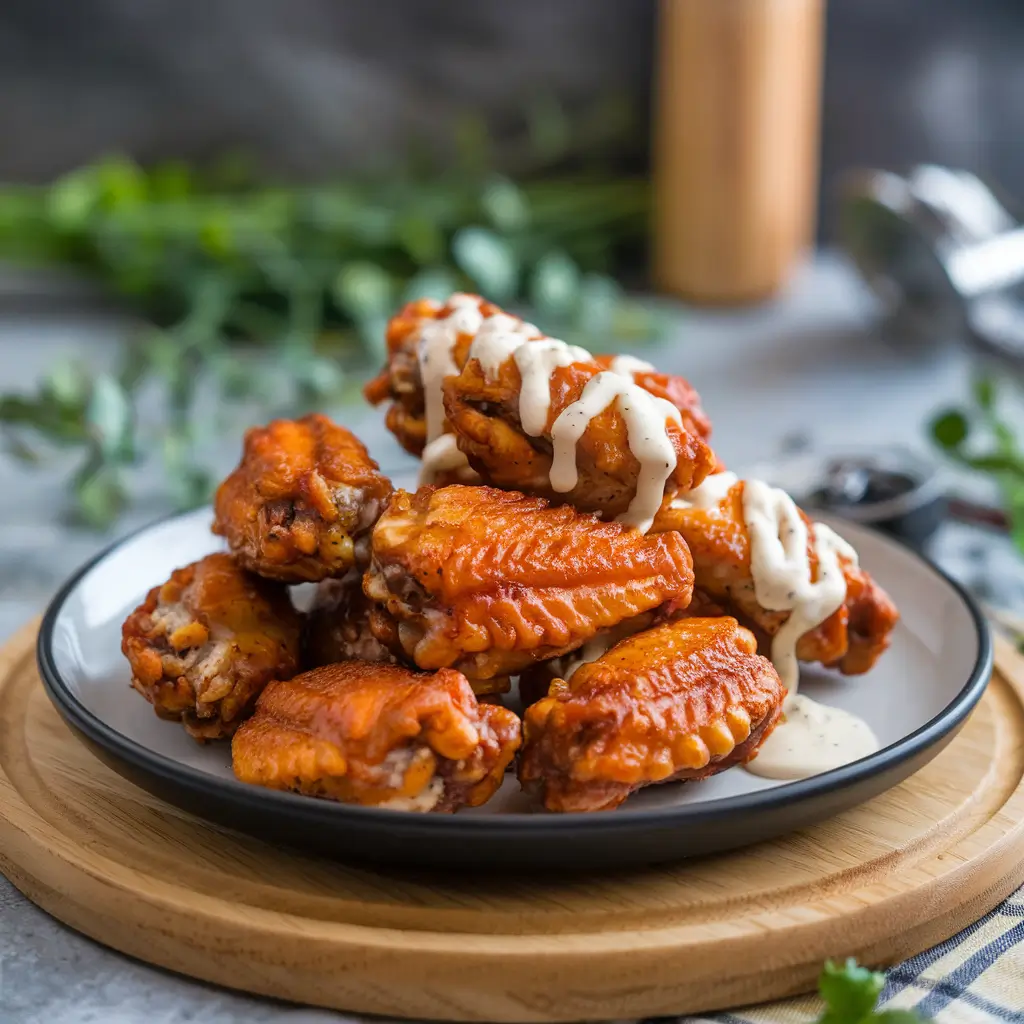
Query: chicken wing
[302,501]
[681,701]
[338,625]
[547,419]
[715,527]
[428,341]
[378,735]
[204,644]
[491,581]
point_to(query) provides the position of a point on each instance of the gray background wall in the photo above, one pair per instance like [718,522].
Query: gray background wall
[315,87]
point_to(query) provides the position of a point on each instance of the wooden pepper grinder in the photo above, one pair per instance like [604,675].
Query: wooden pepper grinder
[736,146]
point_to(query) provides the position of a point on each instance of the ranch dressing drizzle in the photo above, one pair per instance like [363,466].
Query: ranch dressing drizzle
[436,345]
[649,441]
[537,362]
[442,455]
[812,738]
[629,366]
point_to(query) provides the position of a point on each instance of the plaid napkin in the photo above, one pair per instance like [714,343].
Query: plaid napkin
[976,977]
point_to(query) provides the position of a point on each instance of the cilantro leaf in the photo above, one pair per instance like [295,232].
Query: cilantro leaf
[849,991]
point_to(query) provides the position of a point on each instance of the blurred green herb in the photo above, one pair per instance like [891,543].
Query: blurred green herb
[851,994]
[279,295]
[978,438]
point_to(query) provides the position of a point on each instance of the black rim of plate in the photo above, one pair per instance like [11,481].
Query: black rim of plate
[330,813]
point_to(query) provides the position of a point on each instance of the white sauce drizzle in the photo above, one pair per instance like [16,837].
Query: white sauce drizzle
[645,417]
[437,343]
[435,354]
[629,366]
[443,455]
[537,362]
[812,738]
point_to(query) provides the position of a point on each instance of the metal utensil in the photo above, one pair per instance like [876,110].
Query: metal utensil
[941,252]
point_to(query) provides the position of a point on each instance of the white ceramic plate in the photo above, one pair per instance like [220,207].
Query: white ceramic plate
[914,699]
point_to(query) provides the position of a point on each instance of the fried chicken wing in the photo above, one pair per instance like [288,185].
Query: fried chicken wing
[851,638]
[338,625]
[428,341]
[379,735]
[204,644]
[684,700]
[491,581]
[547,419]
[302,501]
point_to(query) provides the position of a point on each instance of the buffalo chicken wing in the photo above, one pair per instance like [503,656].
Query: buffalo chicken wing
[681,701]
[302,501]
[379,735]
[491,581]
[553,422]
[204,644]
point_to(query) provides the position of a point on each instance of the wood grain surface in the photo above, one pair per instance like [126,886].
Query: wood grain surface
[880,882]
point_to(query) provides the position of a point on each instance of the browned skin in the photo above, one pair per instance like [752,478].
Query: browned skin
[685,700]
[400,384]
[483,411]
[338,625]
[329,732]
[204,644]
[852,639]
[303,498]
[491,581]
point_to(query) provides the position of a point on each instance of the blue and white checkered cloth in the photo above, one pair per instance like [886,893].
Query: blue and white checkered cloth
[975,977]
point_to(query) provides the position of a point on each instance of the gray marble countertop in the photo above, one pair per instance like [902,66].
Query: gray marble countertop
[808,366]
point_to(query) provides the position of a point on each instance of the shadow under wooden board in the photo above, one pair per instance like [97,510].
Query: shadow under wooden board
[880,882]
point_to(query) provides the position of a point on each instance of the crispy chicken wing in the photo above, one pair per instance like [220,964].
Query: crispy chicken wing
[491,581]
[552,421]
[428,341]
[338,625]
[379,735]
[852,638]
[204,644]
[302,500]
[681,701]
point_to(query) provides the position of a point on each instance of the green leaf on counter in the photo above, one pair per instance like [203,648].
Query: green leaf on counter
[109,415]
[432,283]
[363,289]
[555,284]
[487,259]
[850,992]
[505,205]
[950,429]
[99,494]
[984,389]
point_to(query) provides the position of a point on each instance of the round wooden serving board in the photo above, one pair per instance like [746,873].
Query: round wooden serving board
[882,882]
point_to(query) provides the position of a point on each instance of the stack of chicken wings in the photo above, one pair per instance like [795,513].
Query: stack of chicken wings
[532,607]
